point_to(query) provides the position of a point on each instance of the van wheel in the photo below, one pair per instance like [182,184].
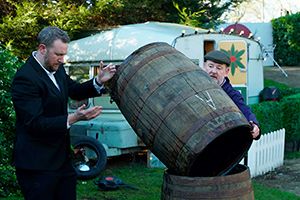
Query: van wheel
[88,157]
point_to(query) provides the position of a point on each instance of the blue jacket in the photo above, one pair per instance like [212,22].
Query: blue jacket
[238,99]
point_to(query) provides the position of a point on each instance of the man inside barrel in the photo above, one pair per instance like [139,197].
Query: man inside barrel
[216,65]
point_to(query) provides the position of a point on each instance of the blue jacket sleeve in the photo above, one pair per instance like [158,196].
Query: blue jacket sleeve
[238,99]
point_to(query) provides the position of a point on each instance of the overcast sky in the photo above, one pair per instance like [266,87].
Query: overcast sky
[263,10]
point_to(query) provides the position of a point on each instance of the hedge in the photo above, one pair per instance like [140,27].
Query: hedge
[282,113]
[268,114]
[285,92]
[290,106]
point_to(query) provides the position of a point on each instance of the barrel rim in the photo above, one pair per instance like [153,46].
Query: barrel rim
[238,158]
[246,168]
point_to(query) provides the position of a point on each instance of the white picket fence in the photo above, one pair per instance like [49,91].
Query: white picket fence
[267,153]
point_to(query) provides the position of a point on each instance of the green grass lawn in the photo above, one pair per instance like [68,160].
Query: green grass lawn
[149,181]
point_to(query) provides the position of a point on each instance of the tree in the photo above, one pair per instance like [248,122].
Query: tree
[207,13]
[22,20]
[6,8]
[286,36]
[19,31]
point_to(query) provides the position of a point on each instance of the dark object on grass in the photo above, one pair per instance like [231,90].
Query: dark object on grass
[106,183]
[270,93]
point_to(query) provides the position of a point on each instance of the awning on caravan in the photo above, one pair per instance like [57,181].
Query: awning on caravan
[117,44]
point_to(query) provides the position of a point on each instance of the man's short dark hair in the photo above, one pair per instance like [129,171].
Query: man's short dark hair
[51,33]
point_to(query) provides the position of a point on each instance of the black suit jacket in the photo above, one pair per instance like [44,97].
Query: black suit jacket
[42,140]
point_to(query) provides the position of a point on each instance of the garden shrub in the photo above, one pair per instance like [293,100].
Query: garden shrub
[268,115]
[290,106]
[9,65]
[285,92]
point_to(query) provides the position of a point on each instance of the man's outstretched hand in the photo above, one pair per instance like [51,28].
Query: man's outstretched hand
[105,73]
[84,115]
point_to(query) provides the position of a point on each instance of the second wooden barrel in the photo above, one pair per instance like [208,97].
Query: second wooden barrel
[179,112]
[236,185]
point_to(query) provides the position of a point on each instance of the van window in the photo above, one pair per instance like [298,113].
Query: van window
[79,74]
[82,73]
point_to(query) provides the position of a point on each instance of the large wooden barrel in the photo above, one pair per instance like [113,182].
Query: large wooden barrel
[179,112]
[236,185]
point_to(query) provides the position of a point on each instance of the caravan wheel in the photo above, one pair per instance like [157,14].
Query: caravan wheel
[88,157]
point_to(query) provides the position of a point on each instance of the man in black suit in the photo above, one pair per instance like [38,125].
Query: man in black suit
[40,93]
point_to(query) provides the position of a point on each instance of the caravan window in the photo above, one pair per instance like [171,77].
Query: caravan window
[82,73]
[79,74]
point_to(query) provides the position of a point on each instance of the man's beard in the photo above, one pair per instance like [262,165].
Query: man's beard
[48,66]
[215,78]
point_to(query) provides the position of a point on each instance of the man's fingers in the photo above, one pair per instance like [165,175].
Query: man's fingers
[101,64]
[111,66]
[255,131]
[93,112]
[82,107]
